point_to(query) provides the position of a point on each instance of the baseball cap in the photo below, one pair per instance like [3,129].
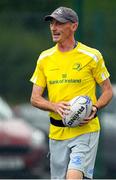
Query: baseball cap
[63,15]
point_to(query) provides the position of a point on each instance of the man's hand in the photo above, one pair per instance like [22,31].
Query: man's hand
[61,108]
[92,116]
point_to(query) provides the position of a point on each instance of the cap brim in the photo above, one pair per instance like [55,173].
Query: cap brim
[60,19]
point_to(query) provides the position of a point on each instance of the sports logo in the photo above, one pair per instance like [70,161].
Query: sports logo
[59,11]
[76,116]
[77,66]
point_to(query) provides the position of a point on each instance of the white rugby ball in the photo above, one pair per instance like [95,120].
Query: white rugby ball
[80,108]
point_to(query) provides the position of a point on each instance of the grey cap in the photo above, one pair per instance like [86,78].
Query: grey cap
[63,15]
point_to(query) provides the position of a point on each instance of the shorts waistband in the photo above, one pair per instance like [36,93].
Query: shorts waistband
[55,122]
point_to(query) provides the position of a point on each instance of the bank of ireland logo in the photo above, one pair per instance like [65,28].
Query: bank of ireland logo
[77,66]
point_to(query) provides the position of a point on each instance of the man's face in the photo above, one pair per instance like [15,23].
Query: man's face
[61,31]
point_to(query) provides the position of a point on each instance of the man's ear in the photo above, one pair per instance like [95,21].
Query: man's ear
[74,26]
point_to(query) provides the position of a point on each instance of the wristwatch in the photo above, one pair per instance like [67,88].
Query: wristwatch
[96,110]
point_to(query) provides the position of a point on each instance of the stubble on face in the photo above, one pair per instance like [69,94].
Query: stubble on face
[60,31]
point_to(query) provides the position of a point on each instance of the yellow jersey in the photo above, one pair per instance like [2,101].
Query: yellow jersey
[70,74]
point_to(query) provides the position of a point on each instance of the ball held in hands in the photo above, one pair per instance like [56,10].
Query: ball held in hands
[80,108]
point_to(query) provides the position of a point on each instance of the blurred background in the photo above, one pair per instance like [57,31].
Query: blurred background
[24,129]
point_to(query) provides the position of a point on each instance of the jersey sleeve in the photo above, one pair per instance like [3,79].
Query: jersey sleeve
[38,76]
[99,70]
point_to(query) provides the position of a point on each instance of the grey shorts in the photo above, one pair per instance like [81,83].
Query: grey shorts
[76,153]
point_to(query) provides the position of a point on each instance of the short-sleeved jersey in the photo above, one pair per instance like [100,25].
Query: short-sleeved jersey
[70,74]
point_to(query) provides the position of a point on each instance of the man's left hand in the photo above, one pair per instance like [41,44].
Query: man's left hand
[92,116]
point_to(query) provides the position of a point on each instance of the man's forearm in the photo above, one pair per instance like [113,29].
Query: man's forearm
[42,103]
[106,96]
[104,99]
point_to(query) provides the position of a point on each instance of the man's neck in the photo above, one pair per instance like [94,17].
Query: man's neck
[67,46]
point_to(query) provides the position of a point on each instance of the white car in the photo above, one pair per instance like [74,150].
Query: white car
[35,116]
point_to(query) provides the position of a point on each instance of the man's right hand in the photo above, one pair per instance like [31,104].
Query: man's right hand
[61,108]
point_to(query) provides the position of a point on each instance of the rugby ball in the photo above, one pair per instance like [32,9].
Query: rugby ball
[80,108]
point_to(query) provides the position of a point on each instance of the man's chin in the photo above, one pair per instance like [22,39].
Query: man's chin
[56,39]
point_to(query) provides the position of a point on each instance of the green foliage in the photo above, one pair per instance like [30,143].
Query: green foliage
[99,24]
[27,5]
[20,50]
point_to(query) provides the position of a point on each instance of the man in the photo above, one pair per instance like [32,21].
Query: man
[70,69]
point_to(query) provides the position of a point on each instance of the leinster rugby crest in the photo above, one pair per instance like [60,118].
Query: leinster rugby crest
[77,66]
